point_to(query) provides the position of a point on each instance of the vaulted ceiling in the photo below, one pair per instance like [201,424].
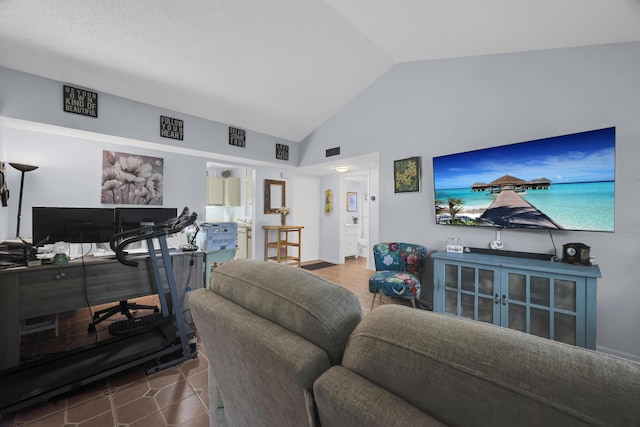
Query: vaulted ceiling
[280,67]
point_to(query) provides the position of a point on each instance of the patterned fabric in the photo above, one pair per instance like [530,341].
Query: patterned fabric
[398,269]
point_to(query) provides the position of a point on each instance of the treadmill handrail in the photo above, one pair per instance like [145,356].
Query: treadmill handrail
[120,241]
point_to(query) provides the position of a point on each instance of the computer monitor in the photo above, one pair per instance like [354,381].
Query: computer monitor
[132,218]
[73,225]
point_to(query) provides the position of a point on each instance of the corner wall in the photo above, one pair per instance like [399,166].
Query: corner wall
[432,108]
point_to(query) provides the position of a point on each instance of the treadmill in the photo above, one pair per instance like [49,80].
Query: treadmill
[161,340]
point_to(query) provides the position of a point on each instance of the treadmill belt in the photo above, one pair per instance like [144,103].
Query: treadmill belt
[39,381]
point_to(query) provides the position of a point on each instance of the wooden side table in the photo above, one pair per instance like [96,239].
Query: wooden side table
[287,243]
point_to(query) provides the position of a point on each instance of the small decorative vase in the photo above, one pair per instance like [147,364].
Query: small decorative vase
[283,220]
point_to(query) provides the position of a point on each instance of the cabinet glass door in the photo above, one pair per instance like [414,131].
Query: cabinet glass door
[541,305]
[469,292]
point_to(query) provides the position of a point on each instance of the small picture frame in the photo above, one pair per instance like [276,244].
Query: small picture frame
[406,175]
[328,202]
[352,201]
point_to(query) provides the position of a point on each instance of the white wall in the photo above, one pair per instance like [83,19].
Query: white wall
[306,210]
[432,108]
[69,175]
[331,223]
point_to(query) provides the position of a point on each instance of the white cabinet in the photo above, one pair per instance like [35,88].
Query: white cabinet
[244,243]
[241,252]
[223,191]
[350,240]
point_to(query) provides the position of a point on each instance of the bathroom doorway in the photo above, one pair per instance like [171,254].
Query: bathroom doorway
[356,229]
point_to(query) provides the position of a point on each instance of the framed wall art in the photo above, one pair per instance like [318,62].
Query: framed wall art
[328,201]
[406,175]
[352,202]
[131,179]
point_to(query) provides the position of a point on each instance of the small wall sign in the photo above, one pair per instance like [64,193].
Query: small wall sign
[237,137]
[79,101]
[171,128]
[282,151]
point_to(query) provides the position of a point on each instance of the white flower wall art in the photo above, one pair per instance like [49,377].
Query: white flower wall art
[131,179]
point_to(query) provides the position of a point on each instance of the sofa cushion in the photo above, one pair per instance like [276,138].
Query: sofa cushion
[307,305]
[464,372]
[344,398]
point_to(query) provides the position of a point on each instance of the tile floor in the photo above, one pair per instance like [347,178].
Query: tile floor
[176,396]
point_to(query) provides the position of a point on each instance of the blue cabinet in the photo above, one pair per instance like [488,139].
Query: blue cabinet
[544,298]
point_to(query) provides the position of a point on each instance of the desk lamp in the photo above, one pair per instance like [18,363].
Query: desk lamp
[22,168]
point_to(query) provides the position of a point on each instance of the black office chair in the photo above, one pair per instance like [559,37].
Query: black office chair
[122,308]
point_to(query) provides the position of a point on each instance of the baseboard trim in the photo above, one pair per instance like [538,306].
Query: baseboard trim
[617,353]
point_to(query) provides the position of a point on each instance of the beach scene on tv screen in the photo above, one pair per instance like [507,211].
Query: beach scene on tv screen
[564,182]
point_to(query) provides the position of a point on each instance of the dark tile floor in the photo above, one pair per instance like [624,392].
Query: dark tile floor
[176,396]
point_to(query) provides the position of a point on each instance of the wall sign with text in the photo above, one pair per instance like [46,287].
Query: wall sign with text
[282,151]
[171,128]
[79,101]
[237,137]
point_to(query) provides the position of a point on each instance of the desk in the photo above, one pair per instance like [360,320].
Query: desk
[27,292]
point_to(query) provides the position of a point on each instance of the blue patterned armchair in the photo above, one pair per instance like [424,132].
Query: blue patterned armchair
[398,271]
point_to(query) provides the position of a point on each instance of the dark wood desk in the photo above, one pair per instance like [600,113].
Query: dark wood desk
[27,292]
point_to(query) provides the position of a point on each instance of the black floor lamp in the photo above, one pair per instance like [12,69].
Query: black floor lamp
[22,168]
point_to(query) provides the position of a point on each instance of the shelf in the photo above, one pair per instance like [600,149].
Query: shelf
[282,243]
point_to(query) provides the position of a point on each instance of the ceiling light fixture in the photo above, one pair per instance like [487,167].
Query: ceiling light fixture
[342,169]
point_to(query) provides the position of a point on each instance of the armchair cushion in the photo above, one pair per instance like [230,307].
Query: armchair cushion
[398,270]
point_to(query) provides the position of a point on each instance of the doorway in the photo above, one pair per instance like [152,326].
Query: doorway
[357,224]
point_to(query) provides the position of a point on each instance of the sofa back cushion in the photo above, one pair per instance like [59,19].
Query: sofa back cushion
[269,331]
[464,372]
[307,305]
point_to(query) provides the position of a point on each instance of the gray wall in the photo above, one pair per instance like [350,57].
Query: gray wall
[67,147]
[432,108]
[426,108]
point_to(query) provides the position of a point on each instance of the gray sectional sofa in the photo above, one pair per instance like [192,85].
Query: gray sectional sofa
[287,348]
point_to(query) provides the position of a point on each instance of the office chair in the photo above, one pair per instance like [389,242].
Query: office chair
[122,308]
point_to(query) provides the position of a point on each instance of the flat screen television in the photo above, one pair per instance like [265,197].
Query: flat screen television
[560,183]
[132,218]
[74,225]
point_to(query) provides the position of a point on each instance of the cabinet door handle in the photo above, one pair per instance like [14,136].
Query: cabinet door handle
[504,299]
[496,299]
[59,276]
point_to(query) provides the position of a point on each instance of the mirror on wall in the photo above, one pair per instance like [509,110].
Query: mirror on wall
[274,195]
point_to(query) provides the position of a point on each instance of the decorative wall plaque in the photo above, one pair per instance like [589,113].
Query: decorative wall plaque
[282,151]
[237,137]
[171,128]
[79,101]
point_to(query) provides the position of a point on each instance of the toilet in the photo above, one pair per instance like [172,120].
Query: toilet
[363,247]
[363,238]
